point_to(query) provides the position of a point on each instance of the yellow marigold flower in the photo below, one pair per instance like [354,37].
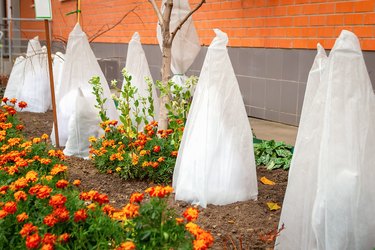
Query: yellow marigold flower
[92,139]
[179,220]
[36,140]
[32,176]
[45,137]
[20,183]
[13,141]
[12,170]
[118,169]
[92,206]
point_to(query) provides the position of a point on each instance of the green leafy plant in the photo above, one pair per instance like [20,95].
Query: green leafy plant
[273,155]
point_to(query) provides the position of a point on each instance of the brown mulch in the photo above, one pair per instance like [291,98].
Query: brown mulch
[241,221]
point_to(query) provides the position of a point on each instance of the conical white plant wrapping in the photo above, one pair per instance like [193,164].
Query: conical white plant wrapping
[16,79]
[339,213]
[79,67]
[185,46]
[83,124]
[137,67]
[58,66]
[215,163]
[36,89]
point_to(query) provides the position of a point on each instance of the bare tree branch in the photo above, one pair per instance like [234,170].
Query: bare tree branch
[173,34]
[101,31]
[157,11]
[167,20]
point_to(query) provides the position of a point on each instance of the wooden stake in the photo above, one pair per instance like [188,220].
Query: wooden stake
[78,10]
[52,85]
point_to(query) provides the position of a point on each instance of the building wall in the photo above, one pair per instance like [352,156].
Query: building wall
[271,42]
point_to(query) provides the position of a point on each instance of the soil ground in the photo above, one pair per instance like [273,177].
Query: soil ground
[241,221]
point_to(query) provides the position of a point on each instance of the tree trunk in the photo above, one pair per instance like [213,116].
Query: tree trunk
[166,63]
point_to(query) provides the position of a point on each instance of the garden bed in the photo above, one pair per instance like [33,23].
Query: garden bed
[247,220]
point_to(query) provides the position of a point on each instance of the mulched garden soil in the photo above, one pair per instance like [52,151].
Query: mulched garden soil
[231,224]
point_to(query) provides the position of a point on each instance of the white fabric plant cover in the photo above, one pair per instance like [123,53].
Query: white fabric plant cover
[137,67]
[58,65]
[83,124]
[79,67]
[36,89]
[329,205]
[16,79]
[215,163]
[185,46]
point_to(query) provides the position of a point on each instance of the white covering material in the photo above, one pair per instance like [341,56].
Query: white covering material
[137,67]
[215,163]
[83,124]
[185,46]
[58,66]
[16,78]
[36,87]
[79,67]
[329,200]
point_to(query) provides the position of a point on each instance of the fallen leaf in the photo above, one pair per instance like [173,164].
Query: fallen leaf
[266,181]
[273,206]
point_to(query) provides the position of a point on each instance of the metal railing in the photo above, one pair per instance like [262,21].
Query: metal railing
[15,34]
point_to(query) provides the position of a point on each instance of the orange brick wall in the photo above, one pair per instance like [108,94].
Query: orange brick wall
[249,23]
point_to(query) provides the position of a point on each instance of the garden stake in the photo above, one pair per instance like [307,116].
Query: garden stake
[52,85]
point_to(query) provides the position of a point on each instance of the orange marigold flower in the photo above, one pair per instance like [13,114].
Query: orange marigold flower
[62,184]
[13,141]
[155,164]
[13,100]
[22,217]
[22,105]
[20,183]
[179,220]
[191,214]
[58,168]
[199,245]
[101,198]
[10,207]
[161,159]
[45,161]
[44,136]
[80,215]
[49,238]
[20,195]
[47,247]
[126,246]
[4,189]
[5,99]
[32,241]
[50,220]
[131,210]
[159,191]
[31,176]
[136,197]
[174,153]
[63,238]
[34,189]
[61,213]
[20,127]
[28,229]
[76,183]
[135,158]
[206,237]
[108,209]
[193,228]
[156,149]
[57,201]
[44,192]
[3,214]
[21,162]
